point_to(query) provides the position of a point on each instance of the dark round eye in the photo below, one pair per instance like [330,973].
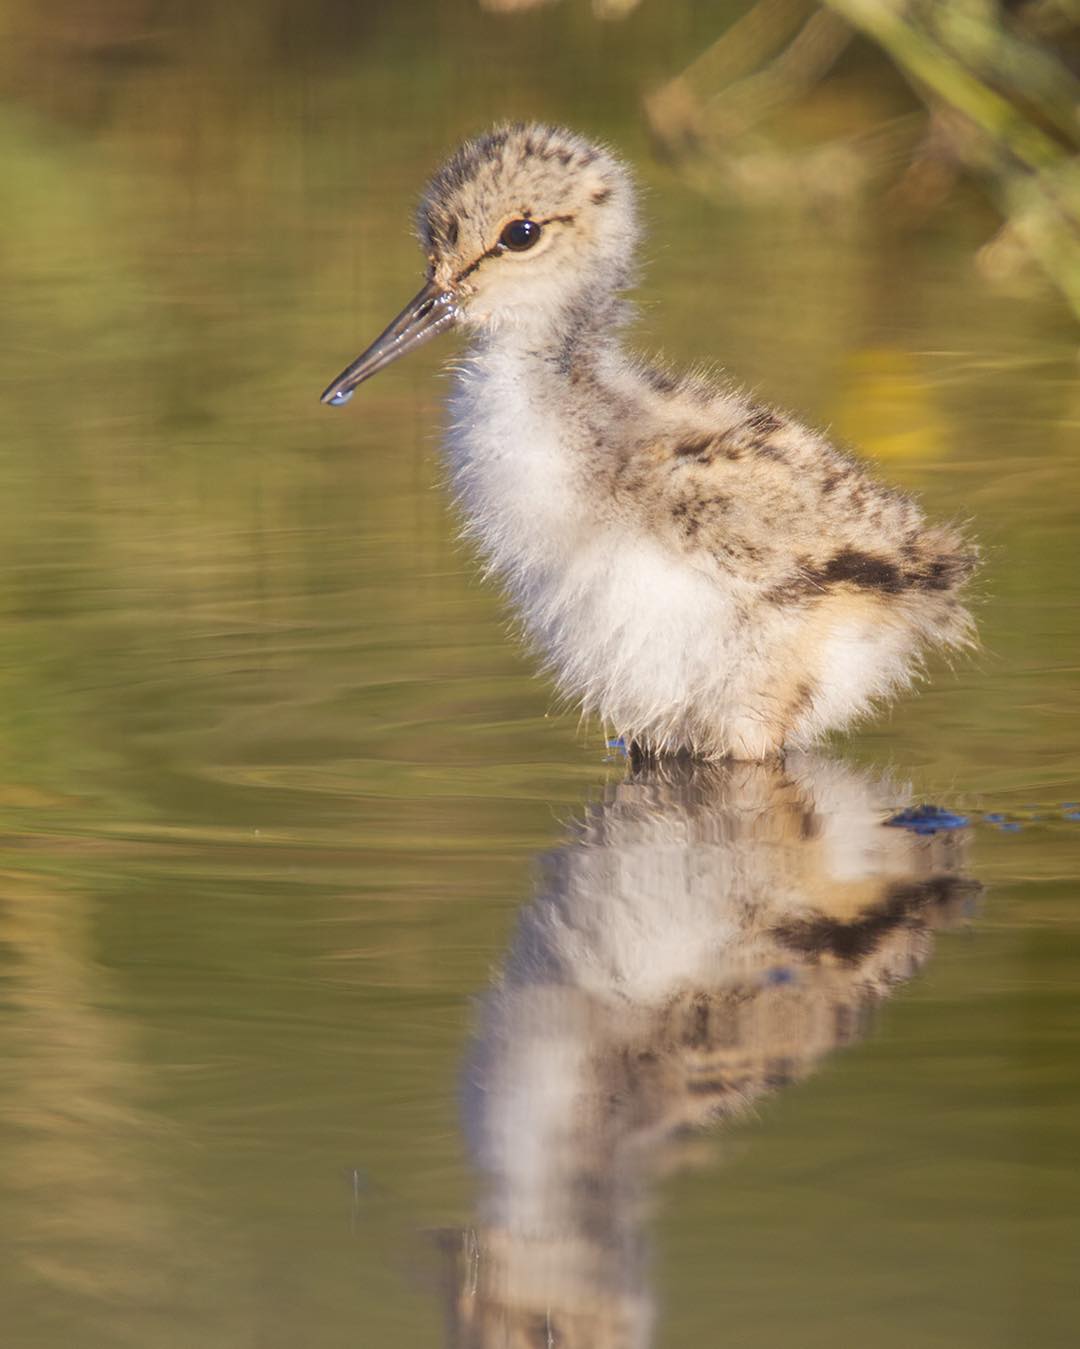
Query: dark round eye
[520,235]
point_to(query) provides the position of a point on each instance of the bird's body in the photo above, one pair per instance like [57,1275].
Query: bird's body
[700,572]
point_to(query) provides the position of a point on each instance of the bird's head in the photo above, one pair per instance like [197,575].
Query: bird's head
[517,225]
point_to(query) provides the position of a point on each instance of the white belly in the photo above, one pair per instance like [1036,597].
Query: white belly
[631,632]
[630,629]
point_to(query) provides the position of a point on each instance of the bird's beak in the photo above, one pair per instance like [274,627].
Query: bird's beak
[427,314]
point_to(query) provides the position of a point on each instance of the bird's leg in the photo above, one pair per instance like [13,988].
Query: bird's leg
[640,756]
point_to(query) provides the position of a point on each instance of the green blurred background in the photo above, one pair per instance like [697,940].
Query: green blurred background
[273,774]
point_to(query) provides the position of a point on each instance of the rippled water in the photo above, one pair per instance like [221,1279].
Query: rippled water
[354,995]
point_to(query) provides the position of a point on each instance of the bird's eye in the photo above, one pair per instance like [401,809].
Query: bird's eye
[520,235]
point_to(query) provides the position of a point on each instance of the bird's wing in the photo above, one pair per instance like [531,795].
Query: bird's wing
[754,494]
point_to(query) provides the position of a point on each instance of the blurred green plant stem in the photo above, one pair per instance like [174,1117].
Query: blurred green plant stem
[1035,172]
[1001,104]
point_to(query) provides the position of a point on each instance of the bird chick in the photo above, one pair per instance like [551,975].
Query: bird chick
[699,571]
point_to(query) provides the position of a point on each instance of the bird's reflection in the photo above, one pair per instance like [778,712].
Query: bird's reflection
[704,935]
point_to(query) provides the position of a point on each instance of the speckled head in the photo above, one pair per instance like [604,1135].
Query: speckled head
[518,225]
[524,215]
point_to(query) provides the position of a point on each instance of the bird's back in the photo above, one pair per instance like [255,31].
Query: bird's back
[750,491]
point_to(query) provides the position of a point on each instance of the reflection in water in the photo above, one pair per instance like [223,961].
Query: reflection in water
[706,935]
[106,1236]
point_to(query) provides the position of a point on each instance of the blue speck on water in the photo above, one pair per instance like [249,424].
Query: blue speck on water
[618,743]
[779,974]
[927,819]
[993,817]
[1010,826]
[1072,814]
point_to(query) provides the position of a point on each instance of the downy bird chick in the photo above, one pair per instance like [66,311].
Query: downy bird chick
[700,572]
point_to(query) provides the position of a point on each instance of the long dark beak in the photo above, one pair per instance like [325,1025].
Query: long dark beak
[424,317]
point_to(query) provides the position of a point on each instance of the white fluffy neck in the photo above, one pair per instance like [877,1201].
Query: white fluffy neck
[512,451]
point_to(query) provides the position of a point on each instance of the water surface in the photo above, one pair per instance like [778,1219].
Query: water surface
[276,780]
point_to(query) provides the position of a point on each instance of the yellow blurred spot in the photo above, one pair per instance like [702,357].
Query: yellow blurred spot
[885,406]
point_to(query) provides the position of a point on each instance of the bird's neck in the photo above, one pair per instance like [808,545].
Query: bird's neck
[554,359]
[526,411]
